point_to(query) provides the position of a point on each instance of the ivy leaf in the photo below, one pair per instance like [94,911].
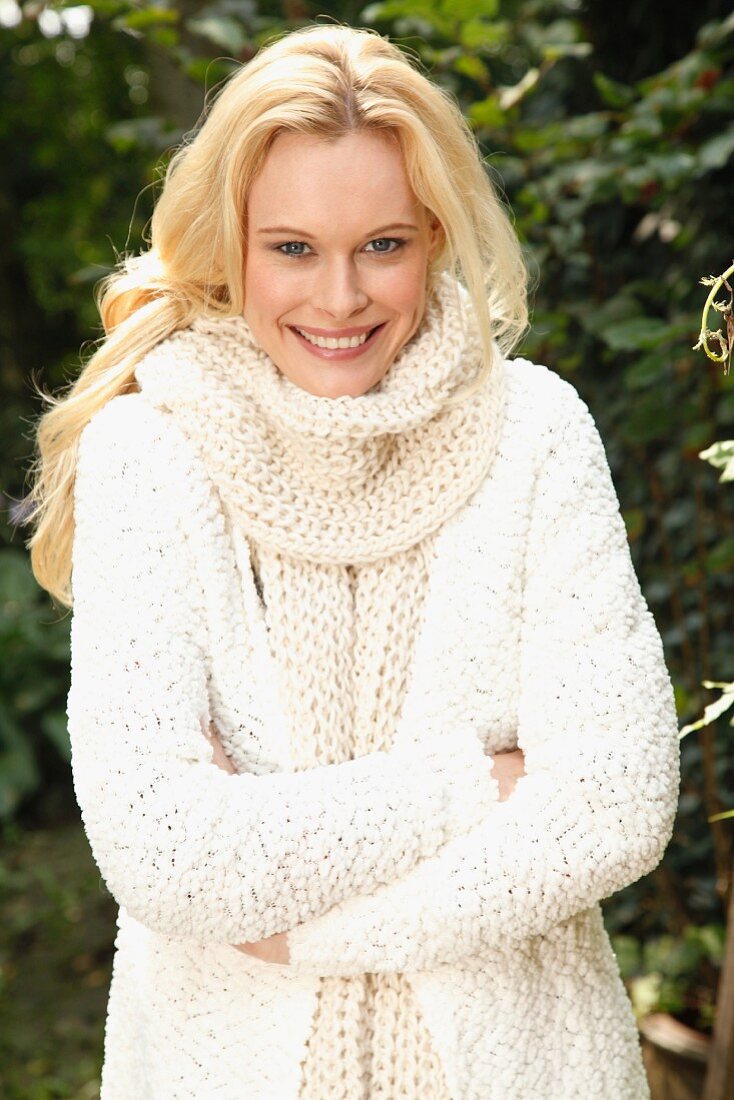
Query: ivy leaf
[221,30]
[478,34]
[463,10]
[716,151]
[638,333]
[612,92]
[487,112]
[145,18]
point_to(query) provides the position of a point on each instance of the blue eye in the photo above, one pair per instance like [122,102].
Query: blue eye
[295,255]
[398,242]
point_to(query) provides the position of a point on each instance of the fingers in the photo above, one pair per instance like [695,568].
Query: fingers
[219,756]
[508,767]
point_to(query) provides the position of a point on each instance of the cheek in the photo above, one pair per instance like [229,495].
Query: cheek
[267,293]
[403,288]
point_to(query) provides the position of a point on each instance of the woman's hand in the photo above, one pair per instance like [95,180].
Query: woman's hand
[272,950]
[508,768]
[220,757]
[275,948]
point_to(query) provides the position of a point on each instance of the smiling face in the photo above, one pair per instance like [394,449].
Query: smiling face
[352,254]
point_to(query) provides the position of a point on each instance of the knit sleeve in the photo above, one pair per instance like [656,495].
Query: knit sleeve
[186,848]
[597,724]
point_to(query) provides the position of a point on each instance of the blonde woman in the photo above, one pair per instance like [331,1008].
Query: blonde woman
[367,710]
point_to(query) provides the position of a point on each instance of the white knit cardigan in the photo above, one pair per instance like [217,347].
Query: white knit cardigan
[534,634]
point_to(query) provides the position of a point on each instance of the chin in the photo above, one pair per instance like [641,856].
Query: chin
[346,391]
[336,386]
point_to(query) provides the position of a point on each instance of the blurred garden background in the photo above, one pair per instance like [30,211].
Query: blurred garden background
[610,129]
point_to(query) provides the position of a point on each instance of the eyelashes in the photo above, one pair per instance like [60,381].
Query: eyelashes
[398,242]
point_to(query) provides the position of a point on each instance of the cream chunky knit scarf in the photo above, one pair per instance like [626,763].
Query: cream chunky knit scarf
[341,500]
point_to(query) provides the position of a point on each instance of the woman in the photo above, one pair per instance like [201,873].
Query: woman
[331,551]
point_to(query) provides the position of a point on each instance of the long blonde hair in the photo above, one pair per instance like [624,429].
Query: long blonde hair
[326,80]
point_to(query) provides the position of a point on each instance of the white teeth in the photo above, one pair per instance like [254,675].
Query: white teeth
[331,342]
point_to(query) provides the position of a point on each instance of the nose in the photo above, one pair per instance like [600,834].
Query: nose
[339,290]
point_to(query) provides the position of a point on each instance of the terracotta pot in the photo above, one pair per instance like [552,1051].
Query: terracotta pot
[675,1057]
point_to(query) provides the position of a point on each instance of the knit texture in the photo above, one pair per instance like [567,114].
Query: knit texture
[340,500]
[368,1038]
[335,480]
[399,864]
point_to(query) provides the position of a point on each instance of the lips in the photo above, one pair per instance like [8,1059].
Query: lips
[326,334]
[346,334]
[338,354]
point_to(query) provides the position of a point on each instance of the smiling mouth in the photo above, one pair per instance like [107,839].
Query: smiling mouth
[334,342]
[332,348]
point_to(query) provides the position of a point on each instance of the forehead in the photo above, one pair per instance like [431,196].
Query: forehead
[353,177]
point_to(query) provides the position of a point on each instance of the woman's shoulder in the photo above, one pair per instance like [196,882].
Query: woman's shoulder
[126,417]
[540,390]
[128,430]
[134,460]
[540,404]
[135,453]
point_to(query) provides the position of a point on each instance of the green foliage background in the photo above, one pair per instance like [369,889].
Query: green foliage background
[610,129]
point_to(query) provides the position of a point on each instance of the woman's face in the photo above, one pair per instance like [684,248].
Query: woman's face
[337,244]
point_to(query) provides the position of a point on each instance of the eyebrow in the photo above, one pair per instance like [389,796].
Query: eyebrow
[309,236]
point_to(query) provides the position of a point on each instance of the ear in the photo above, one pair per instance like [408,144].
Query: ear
[437,238]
